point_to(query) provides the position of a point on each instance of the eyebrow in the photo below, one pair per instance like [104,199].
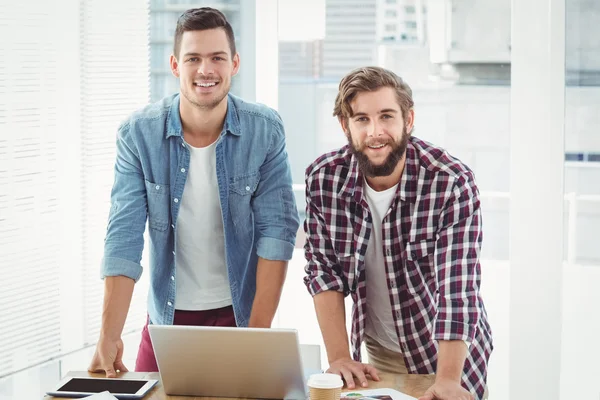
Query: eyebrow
[385,110]
[216,53]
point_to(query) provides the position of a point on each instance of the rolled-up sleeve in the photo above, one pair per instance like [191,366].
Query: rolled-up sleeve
[274,206]
[458,271]
[124,241]
[323,272]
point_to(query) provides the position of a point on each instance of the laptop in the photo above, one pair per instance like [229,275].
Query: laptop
[229,362]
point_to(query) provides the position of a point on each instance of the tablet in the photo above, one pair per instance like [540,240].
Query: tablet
[72,386]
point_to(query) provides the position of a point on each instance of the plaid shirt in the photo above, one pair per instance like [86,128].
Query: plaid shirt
[431,238]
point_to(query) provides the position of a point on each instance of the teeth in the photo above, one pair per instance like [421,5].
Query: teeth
[208,84]
[376,146]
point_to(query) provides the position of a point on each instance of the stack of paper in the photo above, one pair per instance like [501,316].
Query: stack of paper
[376,394]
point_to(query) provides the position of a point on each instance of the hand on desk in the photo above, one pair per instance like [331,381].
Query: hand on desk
[108,358]
[348,369]
[446,389]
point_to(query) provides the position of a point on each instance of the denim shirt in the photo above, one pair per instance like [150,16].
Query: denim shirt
[259,213]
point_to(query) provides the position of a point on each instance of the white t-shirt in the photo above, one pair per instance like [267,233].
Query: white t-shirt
[200,267]
[380,323]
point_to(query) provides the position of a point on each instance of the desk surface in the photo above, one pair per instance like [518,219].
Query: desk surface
[413,385]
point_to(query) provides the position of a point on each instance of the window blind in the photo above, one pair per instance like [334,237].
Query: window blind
[114,83]
[29,316]
[70,72]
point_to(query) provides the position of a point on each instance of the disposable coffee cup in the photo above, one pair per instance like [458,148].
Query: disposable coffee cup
[325,386]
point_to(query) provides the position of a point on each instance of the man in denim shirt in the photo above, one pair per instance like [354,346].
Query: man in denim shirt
[210,174]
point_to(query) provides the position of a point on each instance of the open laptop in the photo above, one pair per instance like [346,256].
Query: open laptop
[229,362]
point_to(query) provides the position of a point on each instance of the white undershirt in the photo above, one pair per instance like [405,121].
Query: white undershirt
[380,323]
[202,279]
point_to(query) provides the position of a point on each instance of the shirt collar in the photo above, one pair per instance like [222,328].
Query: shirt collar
[232,121]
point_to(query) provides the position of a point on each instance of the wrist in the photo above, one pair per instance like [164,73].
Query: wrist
[109,336]
[339,355]
[259,318]
[257,323]
[446,378]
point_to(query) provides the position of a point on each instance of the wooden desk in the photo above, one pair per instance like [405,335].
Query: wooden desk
[413,385]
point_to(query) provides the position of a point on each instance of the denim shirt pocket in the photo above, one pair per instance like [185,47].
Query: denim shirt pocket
[158,205]
[241,191]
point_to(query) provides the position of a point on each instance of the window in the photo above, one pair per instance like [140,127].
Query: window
[582,194]
[461,116]
[57,171]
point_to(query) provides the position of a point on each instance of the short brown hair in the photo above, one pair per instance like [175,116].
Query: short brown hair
[200,19]
[368,79]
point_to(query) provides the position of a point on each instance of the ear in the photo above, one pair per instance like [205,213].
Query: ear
[174,66]
[344,123]
[236,64]
[410,121]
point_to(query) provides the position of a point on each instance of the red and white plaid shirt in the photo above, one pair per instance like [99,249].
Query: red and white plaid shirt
[431,240]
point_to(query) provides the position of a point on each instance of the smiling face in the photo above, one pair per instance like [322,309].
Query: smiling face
[205,67]
[377,132]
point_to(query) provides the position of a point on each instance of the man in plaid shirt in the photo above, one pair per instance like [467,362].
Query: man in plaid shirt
[396,223]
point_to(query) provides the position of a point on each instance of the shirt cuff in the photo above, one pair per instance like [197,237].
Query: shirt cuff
[274,249]
[322,283]
[114,266]
[454,330]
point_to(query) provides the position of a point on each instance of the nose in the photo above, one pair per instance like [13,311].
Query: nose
[204,68]
[374,129]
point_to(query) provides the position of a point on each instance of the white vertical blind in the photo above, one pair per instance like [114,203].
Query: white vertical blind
[70,72]
[29,316]
[114,83]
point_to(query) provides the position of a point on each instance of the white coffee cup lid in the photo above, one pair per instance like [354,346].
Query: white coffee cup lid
[325,381]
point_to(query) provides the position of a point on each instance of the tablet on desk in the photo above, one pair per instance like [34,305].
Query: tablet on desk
[86,386]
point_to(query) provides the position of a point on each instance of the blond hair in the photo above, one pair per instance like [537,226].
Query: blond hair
[368,79]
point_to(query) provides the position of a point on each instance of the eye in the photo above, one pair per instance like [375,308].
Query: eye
[361,119]
[192,59]
[386,116]
[218,59]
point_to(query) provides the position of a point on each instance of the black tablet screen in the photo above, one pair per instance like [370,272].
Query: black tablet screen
[101,385]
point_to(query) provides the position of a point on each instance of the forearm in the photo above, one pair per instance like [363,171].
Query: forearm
[451,359]
[270,276]
[331,315]
[118,291]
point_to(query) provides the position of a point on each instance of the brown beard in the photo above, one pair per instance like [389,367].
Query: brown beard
[389,165]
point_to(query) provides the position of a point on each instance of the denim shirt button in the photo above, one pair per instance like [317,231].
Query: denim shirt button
[247,188]
[157,187]
[176,200]
[182,169]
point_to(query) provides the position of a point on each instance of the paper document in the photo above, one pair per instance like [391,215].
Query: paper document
[101,396]
[376,394]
